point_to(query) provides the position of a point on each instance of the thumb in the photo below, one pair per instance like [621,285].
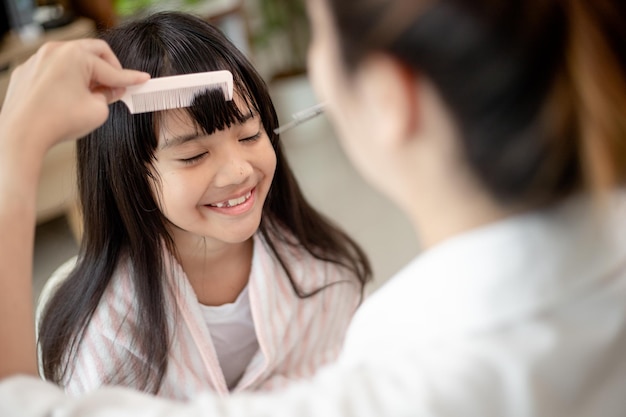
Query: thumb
[111,95]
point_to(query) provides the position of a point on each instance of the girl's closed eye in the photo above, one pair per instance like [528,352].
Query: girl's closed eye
[251,138]
[194,159]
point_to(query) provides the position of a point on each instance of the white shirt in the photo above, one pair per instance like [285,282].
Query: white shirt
[232,330]
[525,317]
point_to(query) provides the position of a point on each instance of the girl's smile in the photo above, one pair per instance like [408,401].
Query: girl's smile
[235,206]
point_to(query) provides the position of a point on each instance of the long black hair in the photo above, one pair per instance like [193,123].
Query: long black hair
[120,213]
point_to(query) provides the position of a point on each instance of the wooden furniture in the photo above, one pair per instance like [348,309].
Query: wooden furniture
[57,188]
[101,12]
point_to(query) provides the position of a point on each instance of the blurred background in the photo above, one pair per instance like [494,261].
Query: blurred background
[274,34]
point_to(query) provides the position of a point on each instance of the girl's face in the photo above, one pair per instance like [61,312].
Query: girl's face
[212,187]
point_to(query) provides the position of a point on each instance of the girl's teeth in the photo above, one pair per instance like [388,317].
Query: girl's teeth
[234,201]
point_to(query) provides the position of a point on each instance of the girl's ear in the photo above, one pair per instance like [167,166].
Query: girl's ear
[390,90]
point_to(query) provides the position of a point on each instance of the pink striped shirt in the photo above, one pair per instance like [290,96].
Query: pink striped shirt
[296,336]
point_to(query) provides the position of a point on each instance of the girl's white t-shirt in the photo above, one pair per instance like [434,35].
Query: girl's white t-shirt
[233,334]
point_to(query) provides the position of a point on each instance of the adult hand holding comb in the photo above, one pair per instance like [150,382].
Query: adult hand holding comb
[77,78]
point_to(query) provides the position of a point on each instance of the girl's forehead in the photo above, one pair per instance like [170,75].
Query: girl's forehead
[174,122]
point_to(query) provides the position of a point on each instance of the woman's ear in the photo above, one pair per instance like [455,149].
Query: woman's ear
[389,90]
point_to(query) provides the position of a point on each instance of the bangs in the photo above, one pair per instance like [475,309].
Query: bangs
[210,110]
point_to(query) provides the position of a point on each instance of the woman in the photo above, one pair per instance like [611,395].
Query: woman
[499,128]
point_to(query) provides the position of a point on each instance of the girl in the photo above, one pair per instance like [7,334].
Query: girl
[202,266]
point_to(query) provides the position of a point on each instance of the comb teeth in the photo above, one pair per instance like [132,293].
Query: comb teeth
[170,99]
[177,91]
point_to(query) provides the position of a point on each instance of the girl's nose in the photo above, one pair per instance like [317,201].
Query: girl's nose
[235,171]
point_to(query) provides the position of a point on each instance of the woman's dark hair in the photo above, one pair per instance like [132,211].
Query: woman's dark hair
[537,88]
[121,217]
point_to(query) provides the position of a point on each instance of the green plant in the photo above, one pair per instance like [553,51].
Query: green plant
[130,7]
[133,7]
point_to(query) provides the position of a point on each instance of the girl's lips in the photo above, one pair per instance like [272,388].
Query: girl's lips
[235,206]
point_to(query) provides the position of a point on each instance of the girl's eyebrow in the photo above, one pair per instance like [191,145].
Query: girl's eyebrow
[179,140]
